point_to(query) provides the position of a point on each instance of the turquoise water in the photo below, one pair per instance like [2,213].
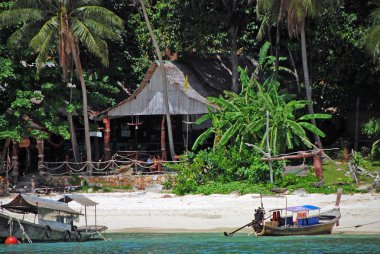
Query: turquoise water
[207,243]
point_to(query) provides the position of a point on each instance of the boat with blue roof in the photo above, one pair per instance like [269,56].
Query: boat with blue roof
[296,220]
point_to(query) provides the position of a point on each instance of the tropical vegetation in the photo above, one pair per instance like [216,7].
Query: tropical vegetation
[317,63]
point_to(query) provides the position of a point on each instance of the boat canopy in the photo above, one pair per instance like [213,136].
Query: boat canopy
[302,208]
[81,199]
[24,203]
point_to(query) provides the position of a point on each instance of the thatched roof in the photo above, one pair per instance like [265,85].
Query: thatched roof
[206,77]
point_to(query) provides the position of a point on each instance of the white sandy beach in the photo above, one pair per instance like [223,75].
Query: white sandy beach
[144,211]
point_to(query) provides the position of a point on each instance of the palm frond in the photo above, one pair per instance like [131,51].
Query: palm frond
[262,29]
[52,25]
[32,4]
[100,14]
[45,49]
[101,30]
[372,40]
[80,3]
[22,35]
[95,45]
[264,5]
[18,16]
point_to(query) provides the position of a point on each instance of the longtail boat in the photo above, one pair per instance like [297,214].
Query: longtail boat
[295,220]
[55,221]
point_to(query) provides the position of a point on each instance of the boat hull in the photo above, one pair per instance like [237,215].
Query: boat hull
[37,232]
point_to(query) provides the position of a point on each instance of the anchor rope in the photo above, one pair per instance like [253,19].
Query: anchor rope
[360,225]
[23,232]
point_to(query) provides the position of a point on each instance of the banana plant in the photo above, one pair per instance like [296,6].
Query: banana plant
[242,117]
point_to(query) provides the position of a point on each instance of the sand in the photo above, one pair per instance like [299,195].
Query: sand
[143,211]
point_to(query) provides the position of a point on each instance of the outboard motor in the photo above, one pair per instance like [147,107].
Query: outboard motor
[259,215]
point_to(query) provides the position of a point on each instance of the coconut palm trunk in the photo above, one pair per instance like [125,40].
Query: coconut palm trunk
[309,96]
[278,23]
[234,59]
[73,137]
[164,80]
[78,68]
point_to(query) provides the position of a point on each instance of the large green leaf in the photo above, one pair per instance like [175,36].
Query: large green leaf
[203,118]
[312,128]
[202,138]
[315,116]
[227,135]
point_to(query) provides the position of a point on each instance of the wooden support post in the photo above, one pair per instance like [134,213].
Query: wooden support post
[15,165]
[40,148]
[318,166]
[85,216]
[107,136]
[163,142]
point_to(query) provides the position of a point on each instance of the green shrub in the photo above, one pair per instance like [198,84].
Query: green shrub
[220,165]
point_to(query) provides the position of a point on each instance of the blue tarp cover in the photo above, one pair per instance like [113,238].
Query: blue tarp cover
[302,208]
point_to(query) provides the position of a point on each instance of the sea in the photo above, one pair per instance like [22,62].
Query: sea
[205,243]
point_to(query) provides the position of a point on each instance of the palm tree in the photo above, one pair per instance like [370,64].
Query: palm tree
[164,79]
[296,13]
[276,9]
[373,37]
[64,25]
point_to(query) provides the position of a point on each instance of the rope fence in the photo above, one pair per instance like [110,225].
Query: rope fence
[123,161]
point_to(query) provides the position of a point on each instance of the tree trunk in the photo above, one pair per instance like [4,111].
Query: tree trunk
[164,81]
[356,145]
[78,67]
[6,170]
[234,60]
[40,149]
[73,136]
[307,82]
[278,41]
[15,165]
[163,142]
[4,154]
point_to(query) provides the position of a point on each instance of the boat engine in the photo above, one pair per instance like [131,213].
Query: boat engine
[259,215]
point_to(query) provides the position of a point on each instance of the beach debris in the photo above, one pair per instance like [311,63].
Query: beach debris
[167,196]
[153,187]
[301,192]
[279,190]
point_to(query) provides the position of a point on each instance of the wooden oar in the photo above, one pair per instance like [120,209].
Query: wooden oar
[233,232]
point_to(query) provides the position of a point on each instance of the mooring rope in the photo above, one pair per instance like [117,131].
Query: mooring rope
[24,233]
[101,235]
[360,225]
